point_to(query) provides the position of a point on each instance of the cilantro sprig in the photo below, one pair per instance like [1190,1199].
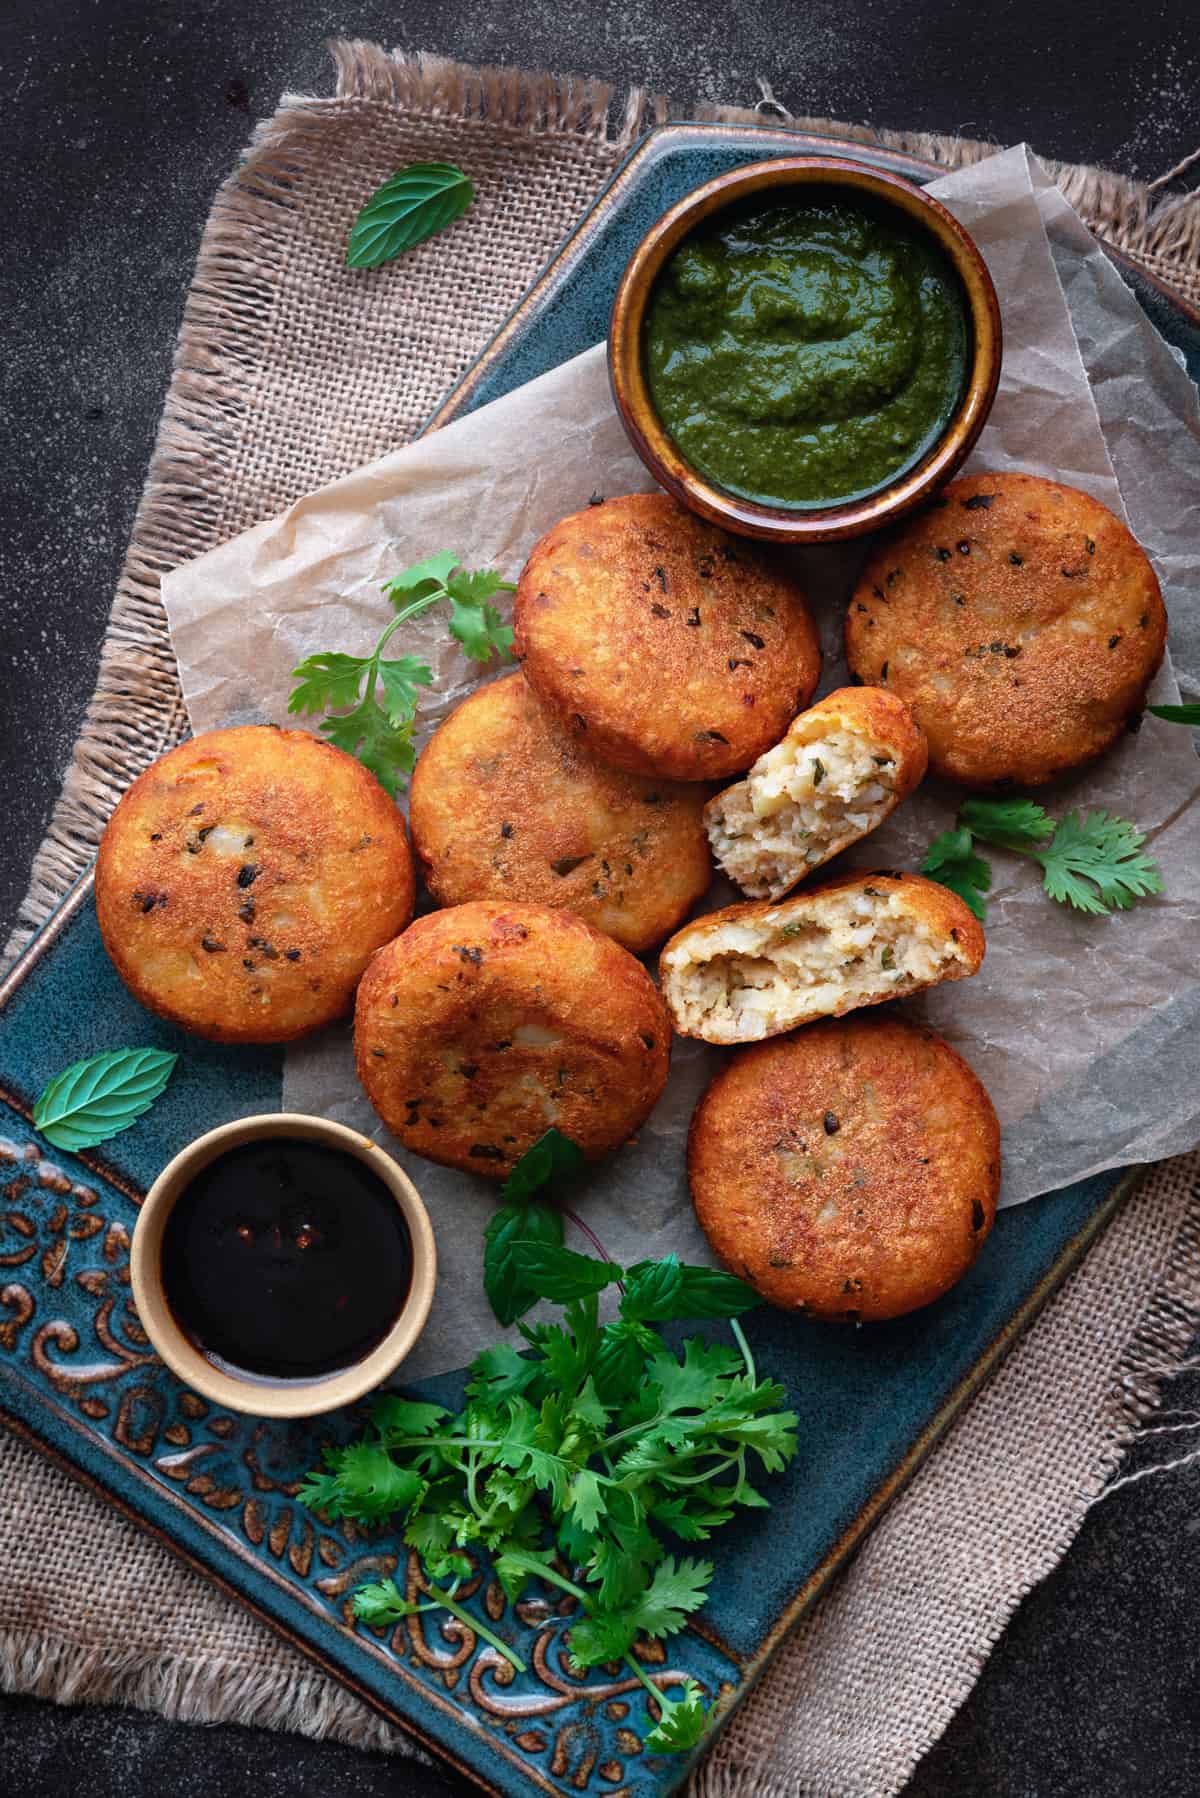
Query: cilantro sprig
[371,702]
[1091,861]
[580,1459]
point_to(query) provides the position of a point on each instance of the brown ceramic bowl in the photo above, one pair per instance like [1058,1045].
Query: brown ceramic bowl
[268,1397]
[843,518]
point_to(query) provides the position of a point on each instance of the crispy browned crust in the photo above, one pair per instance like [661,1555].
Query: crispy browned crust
[484,1025]
[848,1172]
[876,713]
[672,649]
[944,911]
[1022,651]
[281,958]
[505,805]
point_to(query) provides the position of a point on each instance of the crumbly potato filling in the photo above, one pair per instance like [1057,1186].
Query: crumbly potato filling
[800,804]
[744,980]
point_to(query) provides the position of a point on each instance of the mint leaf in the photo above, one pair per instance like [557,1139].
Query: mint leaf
[412,205]
[553,1160]
[510,1290]
[96,1099]
[560,1274]
[657,1291]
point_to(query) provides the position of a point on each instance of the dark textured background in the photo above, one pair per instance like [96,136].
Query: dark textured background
[121,117]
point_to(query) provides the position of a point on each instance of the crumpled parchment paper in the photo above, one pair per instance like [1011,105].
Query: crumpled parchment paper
[1085,1031]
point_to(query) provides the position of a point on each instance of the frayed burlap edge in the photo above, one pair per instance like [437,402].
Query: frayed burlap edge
[37,1665]
[136,710]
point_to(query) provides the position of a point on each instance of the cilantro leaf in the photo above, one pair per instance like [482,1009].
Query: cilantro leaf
[1094,863]
[1008,823]
[326,681]
[674,1591]
[373,1483]
[386,749]
[396,1416]
[553,1158]
[1177,714]
[682,1723]
[501,1371]
[381,1602]
[320,1491]
[399,680]
[419,577]
[585,1499]
[510,1288]
[371,701]
[951,860]
[478,626]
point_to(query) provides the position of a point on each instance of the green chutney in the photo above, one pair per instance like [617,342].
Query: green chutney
[803,354]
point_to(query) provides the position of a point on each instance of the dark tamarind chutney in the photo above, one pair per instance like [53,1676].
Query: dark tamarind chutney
[286,1259]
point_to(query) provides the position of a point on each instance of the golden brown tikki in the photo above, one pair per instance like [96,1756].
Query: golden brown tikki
[666,646]
[484,1025]
[244,880]
[506,805]
[850,1171]
[750,971]
[842,768]
[1020,621]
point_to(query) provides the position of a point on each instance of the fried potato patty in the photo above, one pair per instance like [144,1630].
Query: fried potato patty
[506,805]
[484,1025]
[244,880]
[844,765]
[666,646]
[851,1171]
[757,970]
[1020,621]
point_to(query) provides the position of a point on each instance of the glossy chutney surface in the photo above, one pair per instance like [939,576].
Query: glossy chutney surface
[286,1258]
[803,354]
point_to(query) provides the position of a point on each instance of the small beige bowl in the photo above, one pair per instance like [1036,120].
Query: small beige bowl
[266,1397]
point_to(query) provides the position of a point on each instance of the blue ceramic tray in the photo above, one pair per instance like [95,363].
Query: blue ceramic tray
[78,1381]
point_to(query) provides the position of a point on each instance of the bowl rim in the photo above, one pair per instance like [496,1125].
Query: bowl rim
[842,518]
[264,1397]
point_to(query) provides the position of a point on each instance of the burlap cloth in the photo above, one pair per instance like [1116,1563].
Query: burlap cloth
[289,373]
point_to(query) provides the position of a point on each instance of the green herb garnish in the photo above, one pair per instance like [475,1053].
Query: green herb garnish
[98,1098]
[381,696]
[1177,714]
[415,203]
[1092,861]
[573,1458]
